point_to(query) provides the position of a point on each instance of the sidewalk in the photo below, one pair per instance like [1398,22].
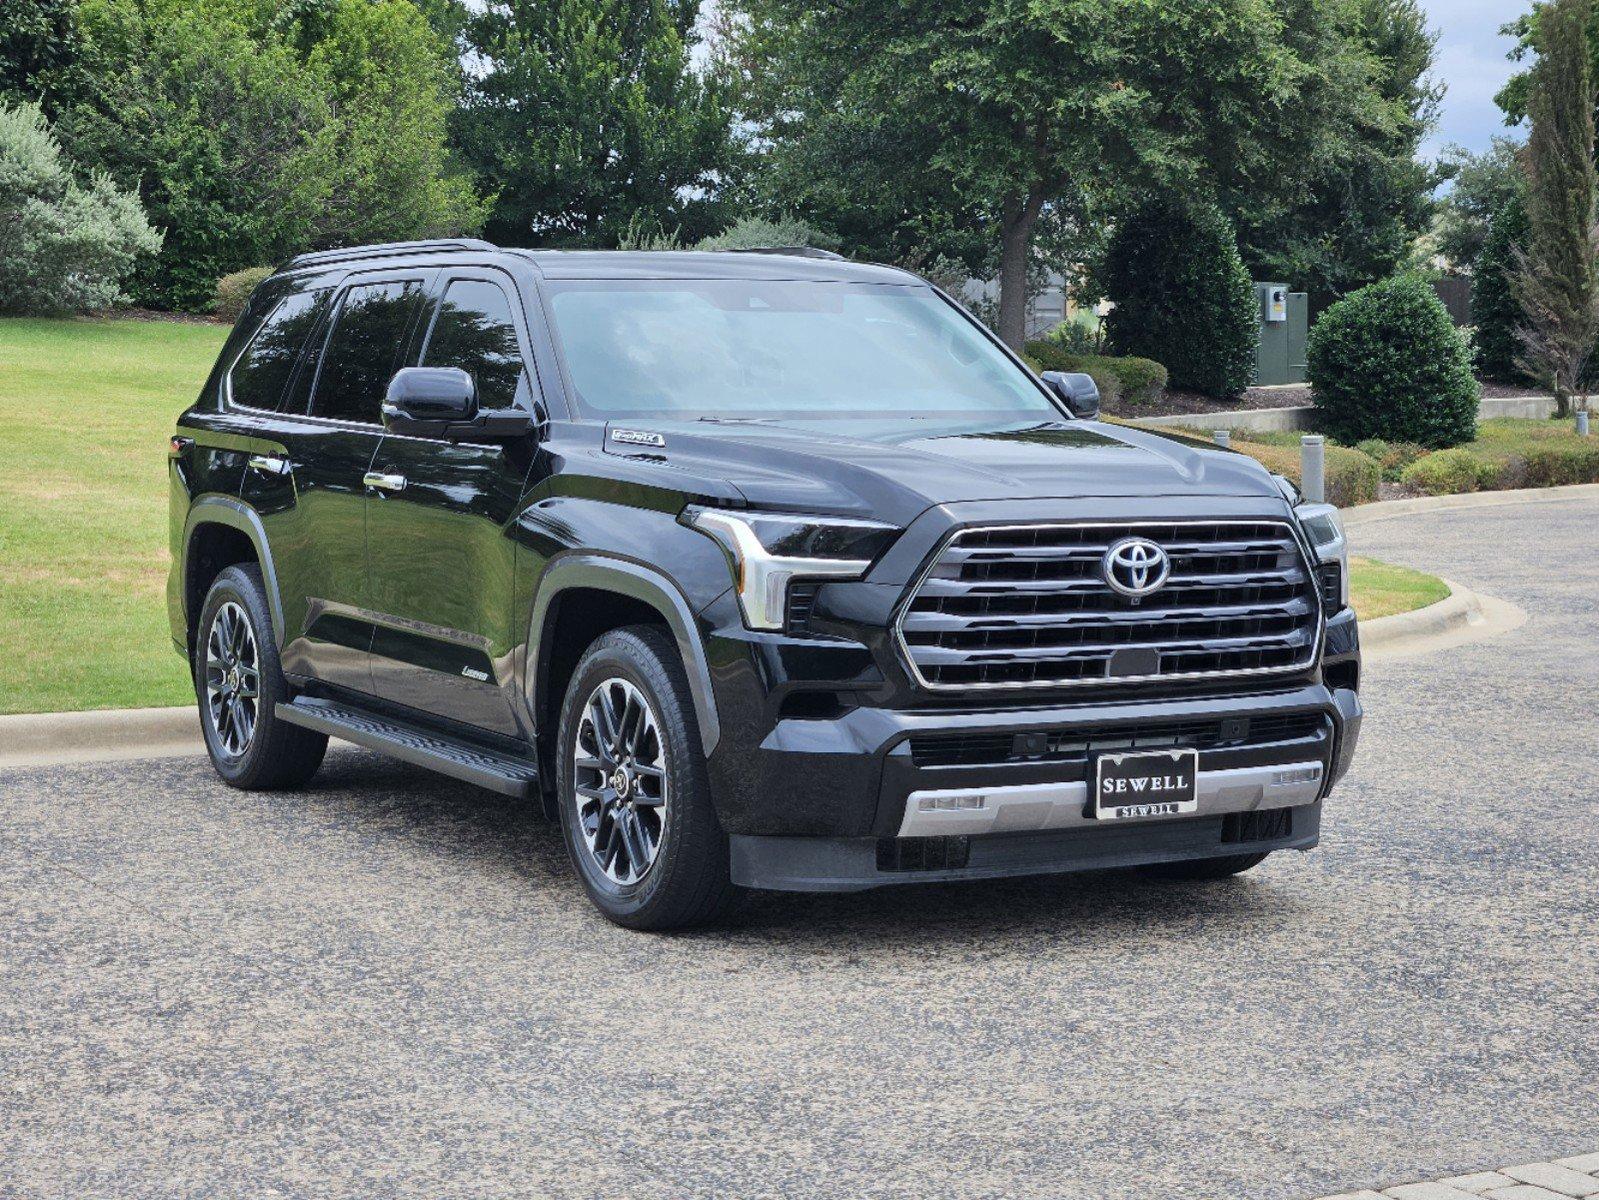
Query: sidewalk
[1561,1179]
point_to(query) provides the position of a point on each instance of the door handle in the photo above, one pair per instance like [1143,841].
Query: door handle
[384,483]
[268,465]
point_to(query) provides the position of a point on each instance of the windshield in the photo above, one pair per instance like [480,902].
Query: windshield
[732,349]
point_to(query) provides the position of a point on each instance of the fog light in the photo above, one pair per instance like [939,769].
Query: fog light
[951,803]
[1302,775]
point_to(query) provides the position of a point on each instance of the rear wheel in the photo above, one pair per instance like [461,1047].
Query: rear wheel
[1200,869]
[239,683]
[634,798]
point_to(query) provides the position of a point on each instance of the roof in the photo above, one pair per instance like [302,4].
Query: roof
[710,264]
[795,263]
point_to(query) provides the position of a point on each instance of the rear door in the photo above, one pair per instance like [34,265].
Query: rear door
[441,583]
[313,502]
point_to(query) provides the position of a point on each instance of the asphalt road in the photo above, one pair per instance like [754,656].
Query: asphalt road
[390,985]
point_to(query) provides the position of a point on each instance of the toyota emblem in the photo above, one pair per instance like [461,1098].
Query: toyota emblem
[1135,567]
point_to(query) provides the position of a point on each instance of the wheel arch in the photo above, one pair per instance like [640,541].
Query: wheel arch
[208,516]
[640,591]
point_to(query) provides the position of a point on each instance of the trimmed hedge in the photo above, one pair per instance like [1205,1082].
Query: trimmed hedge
[1352,477]
[1449,471]
[1391,457]
[233,292]
[1509,453]
[1386,362]
[1132,380]
[1182,296]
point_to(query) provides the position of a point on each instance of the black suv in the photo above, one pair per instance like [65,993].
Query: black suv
[762,570]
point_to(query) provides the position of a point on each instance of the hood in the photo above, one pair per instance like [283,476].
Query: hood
[892,472]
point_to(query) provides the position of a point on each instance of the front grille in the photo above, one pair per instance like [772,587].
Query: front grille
[1028,606]
[1204,733]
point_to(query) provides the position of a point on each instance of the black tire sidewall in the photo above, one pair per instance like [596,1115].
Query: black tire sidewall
[691,828]
[242,585]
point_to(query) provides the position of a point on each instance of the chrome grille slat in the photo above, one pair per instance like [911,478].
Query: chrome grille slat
[1027,606]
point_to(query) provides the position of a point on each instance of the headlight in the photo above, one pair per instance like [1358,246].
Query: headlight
[1326,534]
[769,550]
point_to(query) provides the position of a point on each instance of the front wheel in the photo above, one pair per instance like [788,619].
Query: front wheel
[635,802]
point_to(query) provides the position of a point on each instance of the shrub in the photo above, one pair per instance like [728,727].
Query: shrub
[1352,477]
[233,291]
[755,233]
[65,246]
[1392,457]
[1450,471]
[1134,380]
[1081,333]
[1182,297]
[1386,362]
[1495,313]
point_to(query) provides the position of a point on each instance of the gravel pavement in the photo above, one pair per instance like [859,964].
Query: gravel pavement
[390,985]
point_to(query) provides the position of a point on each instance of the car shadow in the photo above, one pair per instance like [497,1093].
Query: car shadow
[487,831]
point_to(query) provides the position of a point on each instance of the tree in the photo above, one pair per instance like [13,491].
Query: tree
[1556,278]
[588,113]
[38,49]
[254,131]
[1351,193]
[65,245]
[974,123]
[1495,313]
[1484,184]
[1182,296]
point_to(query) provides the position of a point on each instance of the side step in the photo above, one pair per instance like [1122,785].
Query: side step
[458,759]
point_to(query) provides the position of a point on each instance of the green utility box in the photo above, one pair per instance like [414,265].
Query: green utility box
[1284,325]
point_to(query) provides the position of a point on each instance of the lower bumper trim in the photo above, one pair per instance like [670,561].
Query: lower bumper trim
[1035,807]
[804,864]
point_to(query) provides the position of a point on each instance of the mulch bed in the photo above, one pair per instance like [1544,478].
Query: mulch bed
[1501,391]
[150,314]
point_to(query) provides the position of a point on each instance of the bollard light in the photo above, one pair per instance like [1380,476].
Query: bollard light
[1224,437]
[1313,467]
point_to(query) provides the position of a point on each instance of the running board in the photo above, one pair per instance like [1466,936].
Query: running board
[458,759]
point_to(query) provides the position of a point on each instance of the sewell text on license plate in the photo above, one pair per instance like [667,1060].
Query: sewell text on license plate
[1159,783]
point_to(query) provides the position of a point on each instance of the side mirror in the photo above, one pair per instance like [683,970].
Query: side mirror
[1078,390]
[430,394]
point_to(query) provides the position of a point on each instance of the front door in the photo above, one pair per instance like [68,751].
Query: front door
[332,426]
[440,574]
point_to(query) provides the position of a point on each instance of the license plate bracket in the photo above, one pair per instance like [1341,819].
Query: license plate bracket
[1145,785]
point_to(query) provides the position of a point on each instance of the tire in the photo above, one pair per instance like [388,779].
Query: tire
[1200,869]
[249,747]
[648,849]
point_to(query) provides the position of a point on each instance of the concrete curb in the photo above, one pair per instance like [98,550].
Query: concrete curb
[48,739]
[1460,617]
[1386,510]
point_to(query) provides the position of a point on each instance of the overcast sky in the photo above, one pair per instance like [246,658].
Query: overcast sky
[1472,62]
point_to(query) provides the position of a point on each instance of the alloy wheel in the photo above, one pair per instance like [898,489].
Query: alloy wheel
[619,780]
[232,679]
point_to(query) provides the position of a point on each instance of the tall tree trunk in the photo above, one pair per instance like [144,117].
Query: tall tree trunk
[1017,218]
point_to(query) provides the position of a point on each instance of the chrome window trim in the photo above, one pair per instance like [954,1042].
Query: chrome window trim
[1307,561]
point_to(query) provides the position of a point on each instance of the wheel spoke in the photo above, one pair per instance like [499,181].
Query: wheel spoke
[620,732]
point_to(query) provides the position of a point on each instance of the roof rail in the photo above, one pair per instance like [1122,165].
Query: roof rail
[796,251]
[385,250]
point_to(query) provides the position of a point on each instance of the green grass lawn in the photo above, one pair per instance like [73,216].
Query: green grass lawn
[86,407]
[1379,589]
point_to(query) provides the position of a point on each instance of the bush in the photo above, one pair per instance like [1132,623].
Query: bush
[1494,310]
[1386,362]
[1450,471]
[1182,297]
[233,292]
[1081,333]
[756,233]
[1133,380]
[1352,477]
[65,246]
[1392,457]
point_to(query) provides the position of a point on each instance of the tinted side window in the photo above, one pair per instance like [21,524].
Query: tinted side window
[260,373]
[359,358]
[475,331]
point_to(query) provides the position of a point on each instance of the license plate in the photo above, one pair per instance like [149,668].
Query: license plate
[1147,783]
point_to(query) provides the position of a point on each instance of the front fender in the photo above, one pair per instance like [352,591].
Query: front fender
[606,572]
